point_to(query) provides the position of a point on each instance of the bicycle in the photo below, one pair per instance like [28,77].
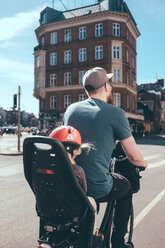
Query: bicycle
[66,214]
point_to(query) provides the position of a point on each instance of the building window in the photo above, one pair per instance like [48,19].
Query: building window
[37,61]
[37,80]
[82,97]
[43,80]
[116,29]
[133,104]
[127,77]
[43,18]
[53,38]
[67,35]
[82,33]
[53,80]
[116,52]
[117,99]
[133,62]
[127,56]
[67,57]
[43,60]
[42,40]
[99,52]
[67,78]
[53,59]
[53,102]
[99,30]
[127,101]
[67,101]
[81,74]
[116,75]
[82,55]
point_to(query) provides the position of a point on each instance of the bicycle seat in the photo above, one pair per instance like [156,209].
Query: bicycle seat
[59,197]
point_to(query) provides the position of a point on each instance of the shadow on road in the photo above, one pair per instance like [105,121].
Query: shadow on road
[152,140]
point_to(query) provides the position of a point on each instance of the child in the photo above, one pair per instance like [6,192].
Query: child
[71,139]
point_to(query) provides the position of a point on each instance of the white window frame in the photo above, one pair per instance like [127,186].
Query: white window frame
[117,99]
[67,101]
[81,74]
[116,52]
[117,75]
[82,97]
[42,40]
[53,59]
[99,30]
[53,102]
[82,33]
[98,52]
[53,80]
[116,29]
[67,57]
[82,54]
[38,61]
[67,78]
[67,35]
[53,38]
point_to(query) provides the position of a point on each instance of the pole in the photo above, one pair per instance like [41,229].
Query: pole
[19,117]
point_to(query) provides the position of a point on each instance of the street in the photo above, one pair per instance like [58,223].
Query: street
[19,223]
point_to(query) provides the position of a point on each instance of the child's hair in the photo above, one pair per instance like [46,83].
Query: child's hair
[71,139]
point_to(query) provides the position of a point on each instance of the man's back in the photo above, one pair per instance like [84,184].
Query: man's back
[101,124]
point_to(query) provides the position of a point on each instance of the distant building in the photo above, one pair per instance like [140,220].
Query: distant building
[71,42]
[152,96]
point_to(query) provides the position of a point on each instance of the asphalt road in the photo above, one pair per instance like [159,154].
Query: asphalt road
[19,223]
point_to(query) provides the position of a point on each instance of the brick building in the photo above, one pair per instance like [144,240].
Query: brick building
[71,42]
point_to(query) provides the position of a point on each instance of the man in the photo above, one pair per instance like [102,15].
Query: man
[101,123]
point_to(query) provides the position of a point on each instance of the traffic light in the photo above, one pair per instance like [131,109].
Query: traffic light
[14,101]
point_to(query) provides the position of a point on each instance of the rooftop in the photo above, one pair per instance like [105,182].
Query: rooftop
[49,15]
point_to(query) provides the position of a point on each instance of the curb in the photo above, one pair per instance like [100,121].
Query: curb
[11,154]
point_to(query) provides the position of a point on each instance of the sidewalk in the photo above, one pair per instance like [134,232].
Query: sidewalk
[9,144]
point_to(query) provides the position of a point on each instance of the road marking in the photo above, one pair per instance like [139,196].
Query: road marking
[151,157]
[148,208]
[157,164]
[11,170]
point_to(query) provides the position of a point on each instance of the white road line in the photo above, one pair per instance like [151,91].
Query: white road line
[10,170]
[148,208]
[151,157]
[156,164]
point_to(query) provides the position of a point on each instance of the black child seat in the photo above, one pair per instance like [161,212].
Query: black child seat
[66,215]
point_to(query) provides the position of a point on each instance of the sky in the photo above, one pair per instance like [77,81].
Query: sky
[19,19]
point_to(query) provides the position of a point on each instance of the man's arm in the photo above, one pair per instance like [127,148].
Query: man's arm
[133,153]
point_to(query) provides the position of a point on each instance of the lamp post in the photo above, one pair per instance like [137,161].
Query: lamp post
[19,117]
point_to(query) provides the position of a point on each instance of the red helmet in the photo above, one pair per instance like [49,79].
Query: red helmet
[66,134]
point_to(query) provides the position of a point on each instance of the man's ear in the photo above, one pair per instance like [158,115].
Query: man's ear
[106,87]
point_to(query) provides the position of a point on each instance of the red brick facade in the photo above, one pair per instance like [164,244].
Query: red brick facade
[125,64]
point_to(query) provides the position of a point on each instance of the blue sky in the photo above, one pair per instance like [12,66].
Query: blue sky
[19,19]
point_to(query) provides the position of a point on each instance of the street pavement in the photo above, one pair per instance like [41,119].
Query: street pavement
[9,144]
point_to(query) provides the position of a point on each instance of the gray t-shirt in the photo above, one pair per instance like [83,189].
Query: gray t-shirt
[101,124]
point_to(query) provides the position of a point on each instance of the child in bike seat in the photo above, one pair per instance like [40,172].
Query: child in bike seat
[71,139]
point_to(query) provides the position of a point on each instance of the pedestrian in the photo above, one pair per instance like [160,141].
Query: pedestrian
[101,123]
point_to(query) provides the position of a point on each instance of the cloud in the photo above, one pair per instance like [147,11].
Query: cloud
[17,24]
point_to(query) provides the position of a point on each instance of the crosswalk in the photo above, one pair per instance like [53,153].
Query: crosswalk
[153,162]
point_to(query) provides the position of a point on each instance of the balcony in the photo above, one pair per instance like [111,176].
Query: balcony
[39,47]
